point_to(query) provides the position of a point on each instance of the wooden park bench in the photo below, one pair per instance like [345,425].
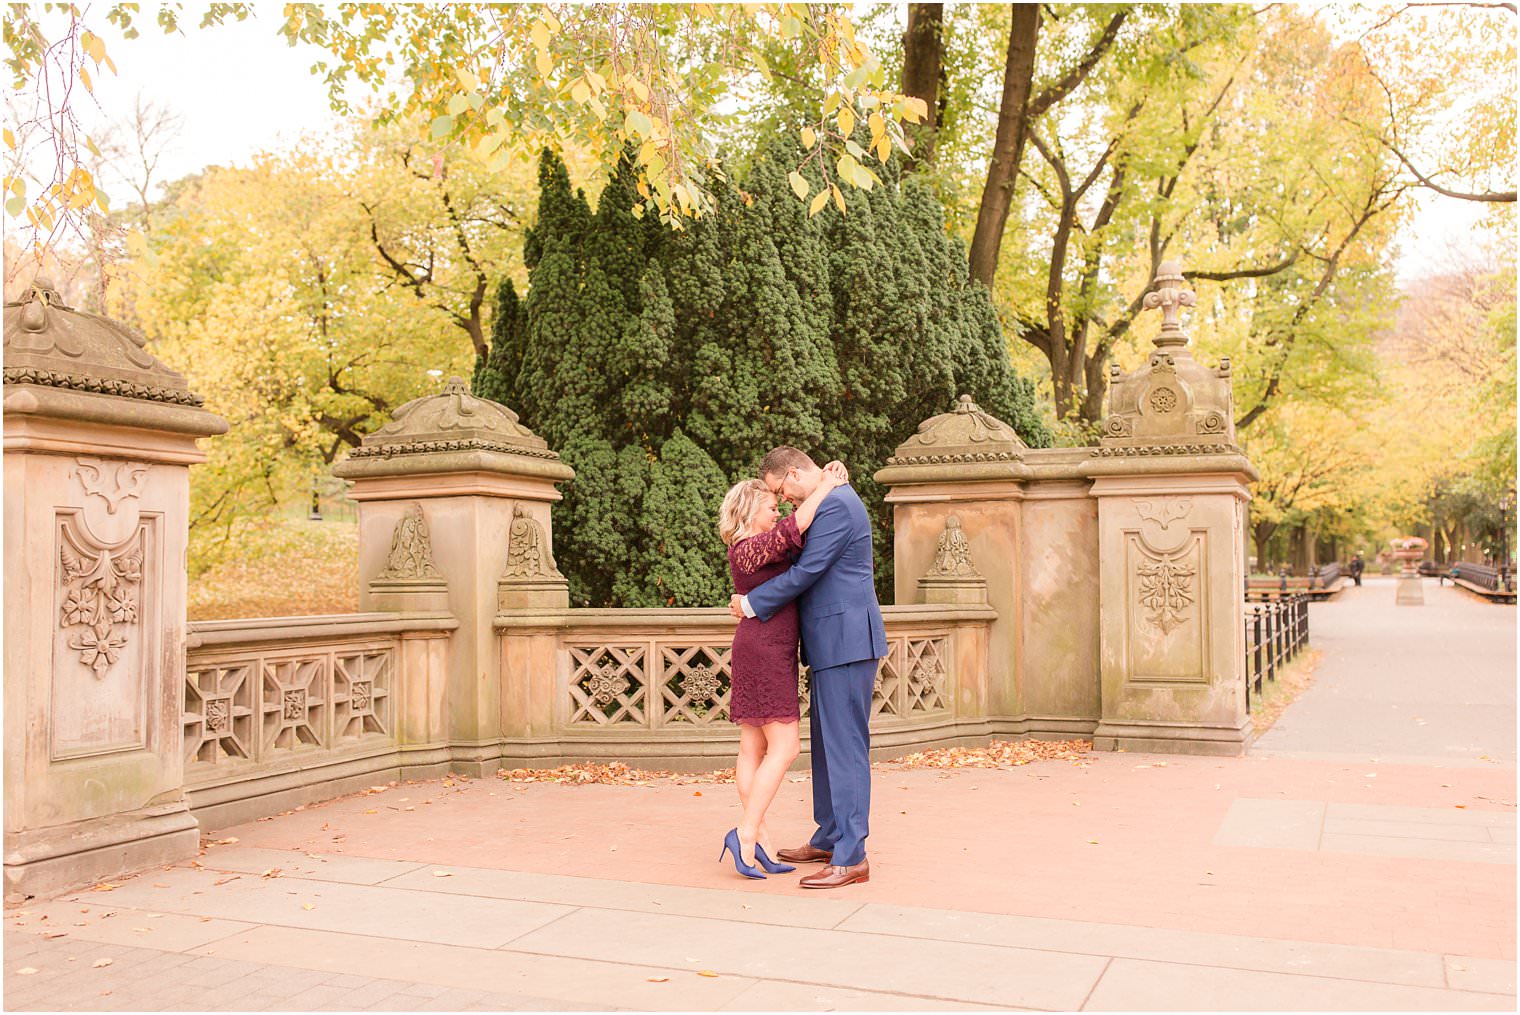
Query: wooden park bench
[1482,580]
[1327,580]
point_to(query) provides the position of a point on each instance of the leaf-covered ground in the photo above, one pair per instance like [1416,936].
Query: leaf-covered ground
[280,567]
[998,754]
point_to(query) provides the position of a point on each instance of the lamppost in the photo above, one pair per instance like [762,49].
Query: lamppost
[1504,506]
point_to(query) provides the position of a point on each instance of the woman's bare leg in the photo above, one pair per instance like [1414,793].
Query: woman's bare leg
[751,754]
[781,747]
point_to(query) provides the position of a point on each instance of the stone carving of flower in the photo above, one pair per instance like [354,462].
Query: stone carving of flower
[1163,400]
[98,652]
[122,605]
[216,715]
[78,606]
[606,684]
[701,684]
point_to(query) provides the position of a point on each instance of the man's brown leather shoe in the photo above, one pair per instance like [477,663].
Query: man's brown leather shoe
[804,854]
[838,877]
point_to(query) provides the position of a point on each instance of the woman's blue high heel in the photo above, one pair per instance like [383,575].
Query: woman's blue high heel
[731,845]
[771,866]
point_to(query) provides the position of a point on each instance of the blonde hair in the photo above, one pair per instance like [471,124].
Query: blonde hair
[739,506]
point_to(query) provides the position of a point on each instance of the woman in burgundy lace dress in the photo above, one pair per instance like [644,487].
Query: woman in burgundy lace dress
[763,696]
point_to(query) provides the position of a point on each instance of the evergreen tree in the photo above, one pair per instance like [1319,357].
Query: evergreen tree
[662,366]
[496,373]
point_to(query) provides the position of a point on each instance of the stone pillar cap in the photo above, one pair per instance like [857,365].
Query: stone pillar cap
[964,443]
[453,432]
[67,363]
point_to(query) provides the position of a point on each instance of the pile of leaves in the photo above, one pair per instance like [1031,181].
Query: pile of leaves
[998,754]
[612,773]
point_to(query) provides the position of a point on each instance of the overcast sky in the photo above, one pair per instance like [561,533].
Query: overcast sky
[240,89]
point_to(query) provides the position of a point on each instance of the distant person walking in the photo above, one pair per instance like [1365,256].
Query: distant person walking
[1356,568]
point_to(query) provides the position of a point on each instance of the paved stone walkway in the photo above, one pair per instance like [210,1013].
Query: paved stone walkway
[1299,877]
[1431,684]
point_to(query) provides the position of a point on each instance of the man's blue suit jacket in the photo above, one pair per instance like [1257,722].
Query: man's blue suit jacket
[833,583]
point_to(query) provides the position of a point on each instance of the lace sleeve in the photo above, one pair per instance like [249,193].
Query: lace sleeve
[772,547]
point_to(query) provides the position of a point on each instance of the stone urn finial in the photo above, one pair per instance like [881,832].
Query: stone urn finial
[1171,297]
[1173,404]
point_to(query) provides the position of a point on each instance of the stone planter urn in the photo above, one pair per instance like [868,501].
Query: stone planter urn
[1409,551]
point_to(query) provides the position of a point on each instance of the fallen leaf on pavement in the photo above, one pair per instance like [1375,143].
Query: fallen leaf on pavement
[307,905]
[229,841]
[443,874]
[26,970]
[50,935]
[659,979]
[103,887]
[102,963]
[223,881]
[706,972]
[272,872]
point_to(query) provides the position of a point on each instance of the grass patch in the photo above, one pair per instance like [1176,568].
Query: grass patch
[280,567]
[1292,680]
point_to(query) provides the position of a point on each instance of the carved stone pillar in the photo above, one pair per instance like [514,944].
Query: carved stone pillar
[454,497]
[99,437]
[957,495]
[1172,493]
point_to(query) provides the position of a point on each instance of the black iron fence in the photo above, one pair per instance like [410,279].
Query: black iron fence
[1275,632]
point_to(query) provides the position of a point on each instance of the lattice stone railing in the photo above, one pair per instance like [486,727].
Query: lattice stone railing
[626,671]
[278,694]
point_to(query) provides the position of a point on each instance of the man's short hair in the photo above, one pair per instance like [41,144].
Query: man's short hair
[778,460]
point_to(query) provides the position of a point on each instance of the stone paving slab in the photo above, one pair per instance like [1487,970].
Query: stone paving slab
[356,870]
[135,927]
[1464,972]
[1187,947]
[924,967]
[755,906]
[336,906]
[141,979]
[777,995]
[583,980]
[1417,832]
[1138,985]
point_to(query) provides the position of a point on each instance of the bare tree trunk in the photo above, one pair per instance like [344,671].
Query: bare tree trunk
[923,67]
[1261,534]
[1008,146]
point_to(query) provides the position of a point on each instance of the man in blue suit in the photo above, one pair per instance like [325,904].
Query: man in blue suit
[842,640]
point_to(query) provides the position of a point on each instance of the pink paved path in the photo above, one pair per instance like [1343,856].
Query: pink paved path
[1127,839]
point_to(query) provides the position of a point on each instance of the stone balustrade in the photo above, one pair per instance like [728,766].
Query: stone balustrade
[651,686]
[287,710]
